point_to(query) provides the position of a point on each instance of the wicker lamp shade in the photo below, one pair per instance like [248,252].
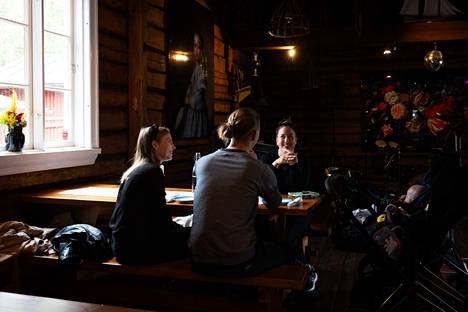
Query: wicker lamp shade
[288,21]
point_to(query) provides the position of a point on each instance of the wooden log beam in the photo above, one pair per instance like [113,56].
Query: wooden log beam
[136,76]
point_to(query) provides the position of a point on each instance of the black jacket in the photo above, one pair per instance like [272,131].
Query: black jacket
[78,242]
[142,228]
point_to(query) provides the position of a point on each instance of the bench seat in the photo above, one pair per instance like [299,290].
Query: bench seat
[8,271]
[271,285]
[285,276]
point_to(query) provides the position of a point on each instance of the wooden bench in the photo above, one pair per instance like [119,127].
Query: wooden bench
[271,285]
[8,271]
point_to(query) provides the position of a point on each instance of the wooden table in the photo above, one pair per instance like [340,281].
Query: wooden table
[105,195]
[19,302]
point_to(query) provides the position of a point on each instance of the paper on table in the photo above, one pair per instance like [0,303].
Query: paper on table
[283,201]
[179,196]
[92,191]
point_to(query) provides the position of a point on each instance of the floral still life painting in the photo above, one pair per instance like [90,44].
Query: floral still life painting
[413,113]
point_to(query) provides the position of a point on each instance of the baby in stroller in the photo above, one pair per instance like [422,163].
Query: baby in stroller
[413,229]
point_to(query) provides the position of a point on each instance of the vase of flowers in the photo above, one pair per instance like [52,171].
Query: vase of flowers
[15,122]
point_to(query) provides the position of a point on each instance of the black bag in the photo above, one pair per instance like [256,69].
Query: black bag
[78,242]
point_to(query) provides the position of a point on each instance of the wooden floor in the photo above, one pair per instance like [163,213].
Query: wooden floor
[337,273]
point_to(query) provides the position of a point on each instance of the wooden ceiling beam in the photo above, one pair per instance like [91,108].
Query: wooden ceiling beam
[419,32]
[346,36]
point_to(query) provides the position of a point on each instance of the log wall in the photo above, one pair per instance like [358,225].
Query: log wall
[133,58]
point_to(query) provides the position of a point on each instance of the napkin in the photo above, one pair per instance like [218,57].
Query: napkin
[296,202]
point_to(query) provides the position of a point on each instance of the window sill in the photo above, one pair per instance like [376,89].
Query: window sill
[34,160]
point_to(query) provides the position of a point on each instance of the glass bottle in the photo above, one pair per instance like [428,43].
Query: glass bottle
[194,175]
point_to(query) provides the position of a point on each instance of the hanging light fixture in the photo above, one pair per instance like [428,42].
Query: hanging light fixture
[434,60]
[288,21]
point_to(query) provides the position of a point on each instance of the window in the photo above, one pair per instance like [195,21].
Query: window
[49,56]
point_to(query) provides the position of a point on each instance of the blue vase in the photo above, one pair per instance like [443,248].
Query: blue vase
[14,139]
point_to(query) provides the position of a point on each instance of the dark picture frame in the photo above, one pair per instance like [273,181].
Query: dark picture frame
[184,20]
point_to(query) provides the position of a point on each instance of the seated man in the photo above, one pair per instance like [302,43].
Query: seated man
[223,240]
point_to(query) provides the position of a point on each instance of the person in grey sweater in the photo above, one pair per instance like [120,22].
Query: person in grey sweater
[229,181]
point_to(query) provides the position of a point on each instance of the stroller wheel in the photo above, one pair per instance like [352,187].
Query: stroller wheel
[366,267]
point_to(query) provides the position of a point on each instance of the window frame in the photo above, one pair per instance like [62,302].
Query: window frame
[86,147]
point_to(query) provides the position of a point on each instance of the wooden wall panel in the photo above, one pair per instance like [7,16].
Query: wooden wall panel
[113,97]
[114,142]
[155,53]
[104,168]
[113,55]
[222,106]
[113,119]
[155,100]
[156,80]
[155,38]
[154,116]
[120,5]
[157,3]
[179,171]
[156,17]
[218,47]
[220,64]
[220,118]
[112,21]
[113,73]
[109,40]
[156,61]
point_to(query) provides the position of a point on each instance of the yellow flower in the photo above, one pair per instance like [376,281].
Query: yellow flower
[9,117]
[13,101]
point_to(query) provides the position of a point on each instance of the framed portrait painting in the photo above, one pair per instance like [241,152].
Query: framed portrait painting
[190,69]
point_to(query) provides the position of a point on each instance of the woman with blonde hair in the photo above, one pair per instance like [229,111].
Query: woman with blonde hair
[142,228]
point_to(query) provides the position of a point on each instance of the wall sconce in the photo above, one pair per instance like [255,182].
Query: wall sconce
[389,50]
[255,64]
[179,56]
[292,52]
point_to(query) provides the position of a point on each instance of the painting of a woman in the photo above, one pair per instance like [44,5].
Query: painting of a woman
[192,118]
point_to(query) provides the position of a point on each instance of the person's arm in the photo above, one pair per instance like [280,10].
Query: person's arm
[269,190]
[286,158]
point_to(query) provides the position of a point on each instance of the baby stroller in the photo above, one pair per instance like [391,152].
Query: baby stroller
[411,278]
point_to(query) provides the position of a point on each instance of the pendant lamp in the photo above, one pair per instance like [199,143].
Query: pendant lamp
[288,21]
